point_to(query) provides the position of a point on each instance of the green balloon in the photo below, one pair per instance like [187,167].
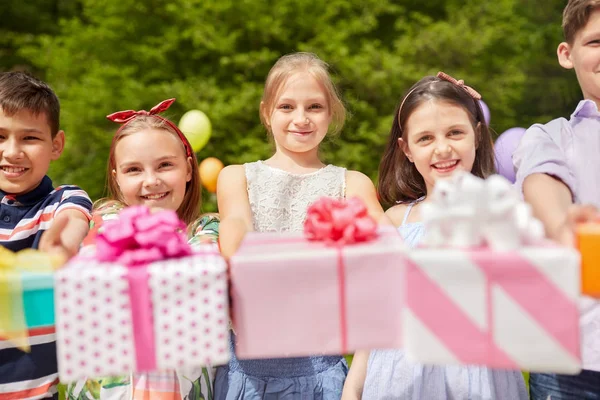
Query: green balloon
[196,127]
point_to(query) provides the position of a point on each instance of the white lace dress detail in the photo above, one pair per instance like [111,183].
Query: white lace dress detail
[279,199]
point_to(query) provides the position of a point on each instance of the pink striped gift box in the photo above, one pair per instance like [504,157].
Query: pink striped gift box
[293,297]
[512,310]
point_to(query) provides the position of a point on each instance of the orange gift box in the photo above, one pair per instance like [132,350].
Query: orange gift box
[588,242]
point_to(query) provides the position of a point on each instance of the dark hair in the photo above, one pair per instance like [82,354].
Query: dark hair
[575,16]
[21,91]
[399,179]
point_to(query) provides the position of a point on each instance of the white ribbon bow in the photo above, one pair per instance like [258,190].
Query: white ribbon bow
[467,211]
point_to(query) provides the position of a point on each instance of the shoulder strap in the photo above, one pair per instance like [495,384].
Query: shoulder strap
[410,206]
[407,212]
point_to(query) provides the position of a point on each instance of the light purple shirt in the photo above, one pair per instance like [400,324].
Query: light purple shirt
[570,151]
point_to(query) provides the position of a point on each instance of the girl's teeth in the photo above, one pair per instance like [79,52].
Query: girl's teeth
[155,196]
[446,165]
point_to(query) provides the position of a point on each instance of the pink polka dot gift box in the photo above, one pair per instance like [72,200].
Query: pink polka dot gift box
[143,302]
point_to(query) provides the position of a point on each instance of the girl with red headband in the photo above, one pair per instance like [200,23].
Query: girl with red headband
[151,163]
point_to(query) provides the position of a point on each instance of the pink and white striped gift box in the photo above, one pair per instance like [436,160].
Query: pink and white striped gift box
[513,310]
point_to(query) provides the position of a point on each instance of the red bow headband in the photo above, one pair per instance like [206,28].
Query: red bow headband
[124,117]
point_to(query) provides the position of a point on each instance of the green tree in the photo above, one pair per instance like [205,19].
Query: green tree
[213,55]
[23,22]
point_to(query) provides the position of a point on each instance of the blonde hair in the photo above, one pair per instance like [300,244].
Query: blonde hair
[189,210]
[575,16]
[293,63]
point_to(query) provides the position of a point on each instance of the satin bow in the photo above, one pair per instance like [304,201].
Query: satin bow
[339,221]
[467,211]
[122,117]
[141,236]
[12,315]
[460,83]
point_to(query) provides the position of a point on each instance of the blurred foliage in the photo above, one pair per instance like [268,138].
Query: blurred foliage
[107,55]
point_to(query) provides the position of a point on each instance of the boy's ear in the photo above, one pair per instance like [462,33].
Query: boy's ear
[564,55]
[404,147]
[58,145]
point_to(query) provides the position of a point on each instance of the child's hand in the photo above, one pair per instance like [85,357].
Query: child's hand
[231,234]
[577,214]
[65,234]
[51,241]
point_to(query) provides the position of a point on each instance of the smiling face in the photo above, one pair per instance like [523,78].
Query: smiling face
[151,169]
[301,116]
[583,55]
[439,139]
[26,149]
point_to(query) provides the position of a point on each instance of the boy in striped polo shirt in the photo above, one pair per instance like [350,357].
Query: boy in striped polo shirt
[34,214]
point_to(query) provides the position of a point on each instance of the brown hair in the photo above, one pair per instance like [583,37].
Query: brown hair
[399,179]
[21,91]
[575,16]
[189,210]
[293,63]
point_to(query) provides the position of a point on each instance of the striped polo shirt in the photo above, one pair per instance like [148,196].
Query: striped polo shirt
[23,219]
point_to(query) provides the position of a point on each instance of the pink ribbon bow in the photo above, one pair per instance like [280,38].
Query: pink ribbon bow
[140,237]
[460,83]
[137,238]
[339,221]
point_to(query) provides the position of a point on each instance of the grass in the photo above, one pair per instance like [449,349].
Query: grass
[348,359]
[62,390]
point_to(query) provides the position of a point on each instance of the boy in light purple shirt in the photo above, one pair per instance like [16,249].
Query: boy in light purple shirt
[558,170]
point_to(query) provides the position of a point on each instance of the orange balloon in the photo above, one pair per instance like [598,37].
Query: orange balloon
[209,172]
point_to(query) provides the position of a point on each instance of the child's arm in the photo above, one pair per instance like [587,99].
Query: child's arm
[66,233]
[544,176]
[551,201]
[396,214]
[355,381]
[359,185]
[234,208]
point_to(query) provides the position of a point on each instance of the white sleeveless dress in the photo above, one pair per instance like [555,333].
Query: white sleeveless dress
[279,201]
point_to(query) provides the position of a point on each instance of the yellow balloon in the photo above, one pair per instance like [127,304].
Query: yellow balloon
[197,128]
[209,172]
